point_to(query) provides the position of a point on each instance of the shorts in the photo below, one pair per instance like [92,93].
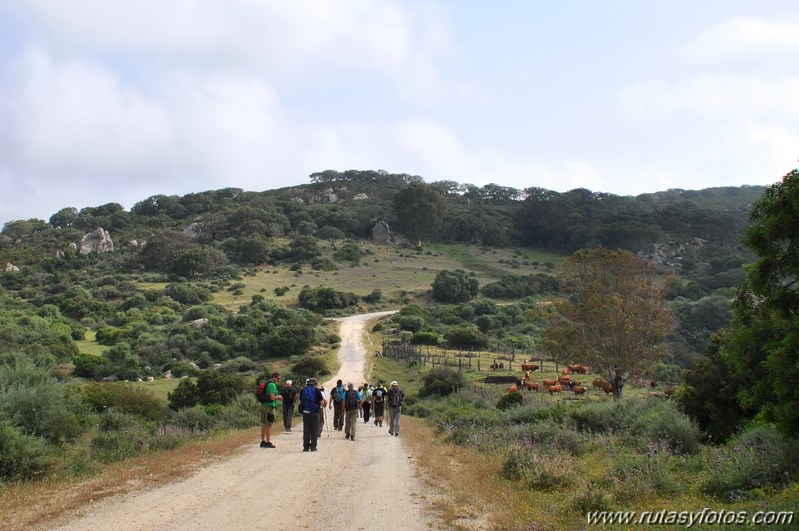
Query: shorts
[268,415]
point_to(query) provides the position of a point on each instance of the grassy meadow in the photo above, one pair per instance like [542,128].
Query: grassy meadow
[399,273]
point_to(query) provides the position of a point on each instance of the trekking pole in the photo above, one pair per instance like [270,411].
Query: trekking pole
[327,426]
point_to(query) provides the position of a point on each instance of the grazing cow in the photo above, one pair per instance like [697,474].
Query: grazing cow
[578,390]
[565,372]
[548,383]
[531,386]
[529,367]
[579,369]
[599,382]
[608,388]
[555,389]
[512,389]
[564,380]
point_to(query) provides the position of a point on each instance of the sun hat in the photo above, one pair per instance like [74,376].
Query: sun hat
[394,382]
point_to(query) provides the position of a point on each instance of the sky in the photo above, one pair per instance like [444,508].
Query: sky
[114,101]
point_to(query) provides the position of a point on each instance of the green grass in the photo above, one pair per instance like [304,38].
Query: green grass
[89,345]
[160,387]
[397,272]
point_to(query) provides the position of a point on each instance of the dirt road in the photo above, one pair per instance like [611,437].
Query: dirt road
[363,484]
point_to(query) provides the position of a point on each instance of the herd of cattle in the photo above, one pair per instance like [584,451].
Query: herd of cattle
[561,383]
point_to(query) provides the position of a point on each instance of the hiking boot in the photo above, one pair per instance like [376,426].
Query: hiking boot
[306,449]
[263,444]
[313,449]
[396,435]
[352,438]
[270,445]
[287,430]
[390,432]
[346,436]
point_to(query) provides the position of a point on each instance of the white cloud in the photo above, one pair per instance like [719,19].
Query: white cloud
[742,37]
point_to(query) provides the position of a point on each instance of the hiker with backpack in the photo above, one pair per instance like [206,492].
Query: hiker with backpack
[367,402]
[289,393]
[311,403]
[394,398]
[352,404]
[337,405]
[268,396]
[379,403]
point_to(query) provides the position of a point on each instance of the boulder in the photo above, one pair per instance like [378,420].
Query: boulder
[381,233]
[99,240]
[360,197]
[11,268]
[197,231]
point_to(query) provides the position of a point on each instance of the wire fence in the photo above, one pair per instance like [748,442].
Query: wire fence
[466,360]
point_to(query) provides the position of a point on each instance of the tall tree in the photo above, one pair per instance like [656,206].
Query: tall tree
[764,339]
[615,316]
[420,210]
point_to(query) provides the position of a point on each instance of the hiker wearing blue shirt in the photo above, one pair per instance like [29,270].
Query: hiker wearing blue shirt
[337,405]
[311,403]
[352,404]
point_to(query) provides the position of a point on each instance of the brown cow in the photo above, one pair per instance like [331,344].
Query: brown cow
[599,382]
[579,369]
[564,379]
[531,386]
[608,388]
[548,383]
[580,390]
[565,372]
[555,389]
[529,367]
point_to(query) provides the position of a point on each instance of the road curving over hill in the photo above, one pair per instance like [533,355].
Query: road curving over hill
[371,482]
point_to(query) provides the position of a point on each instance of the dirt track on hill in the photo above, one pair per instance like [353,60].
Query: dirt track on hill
[286,487]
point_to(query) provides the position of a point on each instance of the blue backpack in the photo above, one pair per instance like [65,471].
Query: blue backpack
[308,400]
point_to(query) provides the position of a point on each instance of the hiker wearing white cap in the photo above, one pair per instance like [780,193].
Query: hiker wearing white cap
[394,399]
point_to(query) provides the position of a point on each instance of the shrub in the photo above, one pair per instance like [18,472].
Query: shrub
[195,418]
[47,410]
[215,387]
[22,456]
[598,417]
[240,364]
[662,422]
[756,458]
[441,381]
[426,338]
[85,364]
[510,400]
[308,367]
[185,395]
[126,398]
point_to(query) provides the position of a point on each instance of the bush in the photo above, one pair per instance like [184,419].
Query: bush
[195,418]
[757,458]
[46,410]
[237,365]
[441,381]
[426,338]
[22,456]
[85,365]
[126,398]
[510,400]
[215,387]
[309,367]
[185,395]
[662,422]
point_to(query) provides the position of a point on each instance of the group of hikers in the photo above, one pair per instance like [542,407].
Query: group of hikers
[348,404]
